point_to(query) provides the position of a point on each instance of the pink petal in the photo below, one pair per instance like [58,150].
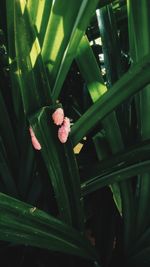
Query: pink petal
[35,143]
[34,140]
[63,134]
[31,131]
[58,116]
[66,123]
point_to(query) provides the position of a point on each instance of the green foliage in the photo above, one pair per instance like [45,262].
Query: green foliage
[85,201]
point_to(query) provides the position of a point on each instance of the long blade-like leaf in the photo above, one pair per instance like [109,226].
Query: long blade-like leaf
[93,79]
[25,224]
[130,158]
[96,88]
[39,11]
[61,166]
[116,176]
[140,44]
[129,84]
[34,84]
[59,52]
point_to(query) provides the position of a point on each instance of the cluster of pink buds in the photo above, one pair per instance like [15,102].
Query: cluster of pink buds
[59,119]
[63,131]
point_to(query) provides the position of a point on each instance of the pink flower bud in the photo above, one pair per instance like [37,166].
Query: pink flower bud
[58,116]
[66,123]
[64,130]
[63,134]
[34,140]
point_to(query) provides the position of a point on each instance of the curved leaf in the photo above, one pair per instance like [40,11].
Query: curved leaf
[24,224]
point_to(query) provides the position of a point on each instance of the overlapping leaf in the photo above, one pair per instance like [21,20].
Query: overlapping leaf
[61,166]
[129,84]
[24,224]
[62,38]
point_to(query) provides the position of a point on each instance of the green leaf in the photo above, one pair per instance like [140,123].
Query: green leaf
[5,172]
[115,188]
[142,242]
[129,84]
[24,224]
[140,44]
[10,29]
[8,136]
[40,11]
[128,208]
[62,168]
[59,49]
[92,77]
[101,180]
[27,165]
[34,85]
[130,158]
[15,81]
[96,89]
[110,44]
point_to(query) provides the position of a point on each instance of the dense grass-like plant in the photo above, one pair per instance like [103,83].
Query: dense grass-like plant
[80,195]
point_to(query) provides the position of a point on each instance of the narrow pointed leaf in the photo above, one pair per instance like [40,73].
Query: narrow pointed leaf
[86,58]
[132,158]
[116,176]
